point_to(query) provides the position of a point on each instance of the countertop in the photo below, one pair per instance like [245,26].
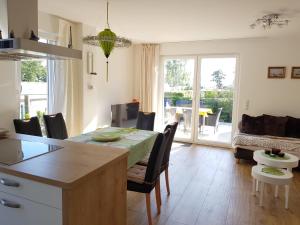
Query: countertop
[65,167]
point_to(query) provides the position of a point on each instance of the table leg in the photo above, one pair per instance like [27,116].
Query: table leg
[253,186]
[257,186]
[287,189]
[261,193]
[276,191]
[203,125]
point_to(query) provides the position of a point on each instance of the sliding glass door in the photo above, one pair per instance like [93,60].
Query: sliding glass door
[179,76]
[199,94]
[216,85]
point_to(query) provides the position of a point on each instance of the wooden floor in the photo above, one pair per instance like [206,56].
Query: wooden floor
[209,188]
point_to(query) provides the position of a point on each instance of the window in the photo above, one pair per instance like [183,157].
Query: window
[34,94]
[34,87]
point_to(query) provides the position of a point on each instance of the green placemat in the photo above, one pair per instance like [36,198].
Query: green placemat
[276,157]
[272,171]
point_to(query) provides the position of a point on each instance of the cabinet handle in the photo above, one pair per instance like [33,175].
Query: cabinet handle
[10,204]
[9,183]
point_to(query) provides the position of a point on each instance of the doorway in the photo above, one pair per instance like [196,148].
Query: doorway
[199,93]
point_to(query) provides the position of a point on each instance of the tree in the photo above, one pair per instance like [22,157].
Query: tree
[33,71]
[218,77]
[176,74]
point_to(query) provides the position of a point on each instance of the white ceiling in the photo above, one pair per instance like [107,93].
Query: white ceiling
[178,20]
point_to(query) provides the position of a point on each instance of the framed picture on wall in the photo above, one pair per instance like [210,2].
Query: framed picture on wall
[276,72]
[295,73]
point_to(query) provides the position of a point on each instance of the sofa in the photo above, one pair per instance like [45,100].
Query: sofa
[266,132]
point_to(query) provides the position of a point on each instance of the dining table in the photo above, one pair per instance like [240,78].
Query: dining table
[138,142]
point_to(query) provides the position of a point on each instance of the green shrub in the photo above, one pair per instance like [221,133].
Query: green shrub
[213,99]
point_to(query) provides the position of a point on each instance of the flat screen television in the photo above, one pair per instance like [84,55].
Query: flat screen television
[124,115]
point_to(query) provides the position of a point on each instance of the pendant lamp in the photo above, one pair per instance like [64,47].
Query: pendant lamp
[107,40]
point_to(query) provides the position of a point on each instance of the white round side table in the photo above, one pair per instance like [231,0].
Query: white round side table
[277,180]
[288,162]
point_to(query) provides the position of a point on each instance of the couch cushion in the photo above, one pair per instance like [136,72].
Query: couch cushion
[293,127]
[275,125]
[252,125]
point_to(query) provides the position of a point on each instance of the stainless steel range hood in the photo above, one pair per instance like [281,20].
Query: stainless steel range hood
[22,49]
[21,16]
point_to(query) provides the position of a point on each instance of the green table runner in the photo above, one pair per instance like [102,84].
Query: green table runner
[138,142]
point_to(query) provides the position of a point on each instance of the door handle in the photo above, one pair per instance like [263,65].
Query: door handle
[10,204]
[9,183]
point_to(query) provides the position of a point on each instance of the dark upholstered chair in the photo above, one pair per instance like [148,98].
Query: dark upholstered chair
[29,127]
[145,121]
[166,159]
[56,126]
[144,179]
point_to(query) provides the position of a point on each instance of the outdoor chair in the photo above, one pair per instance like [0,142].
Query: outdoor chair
[213,119]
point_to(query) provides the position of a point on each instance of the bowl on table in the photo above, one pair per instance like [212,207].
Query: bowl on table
[275,151]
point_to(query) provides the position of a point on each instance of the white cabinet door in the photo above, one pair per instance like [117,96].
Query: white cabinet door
[37,192]
[19,211]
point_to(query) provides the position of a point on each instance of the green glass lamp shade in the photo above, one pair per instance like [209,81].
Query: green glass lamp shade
[107,40]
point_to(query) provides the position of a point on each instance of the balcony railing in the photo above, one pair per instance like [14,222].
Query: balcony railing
[32,105]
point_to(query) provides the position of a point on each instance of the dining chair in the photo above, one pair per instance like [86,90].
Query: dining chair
[145,121]
[144,179]
[29,127]
[166,159]
[56,126]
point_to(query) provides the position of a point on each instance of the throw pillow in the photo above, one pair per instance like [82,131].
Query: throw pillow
[293,127]
[275,125]
[252,125]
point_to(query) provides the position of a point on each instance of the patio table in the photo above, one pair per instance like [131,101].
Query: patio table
[202,111]
[138,142]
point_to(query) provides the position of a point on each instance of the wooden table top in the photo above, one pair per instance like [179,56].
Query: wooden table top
[65,167]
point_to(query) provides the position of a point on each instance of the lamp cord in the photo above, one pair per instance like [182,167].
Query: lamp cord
[107,15]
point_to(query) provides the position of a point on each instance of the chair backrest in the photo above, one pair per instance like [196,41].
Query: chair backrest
[156,157]
[219,113]
[145,121]
[56,126]
[29,127]
[173,128]
[213,119]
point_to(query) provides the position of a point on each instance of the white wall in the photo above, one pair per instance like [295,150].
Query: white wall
[9,94]
[270,96]
[119,88]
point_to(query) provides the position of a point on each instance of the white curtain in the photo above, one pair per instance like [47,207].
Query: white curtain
[65,85]
[148,77]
